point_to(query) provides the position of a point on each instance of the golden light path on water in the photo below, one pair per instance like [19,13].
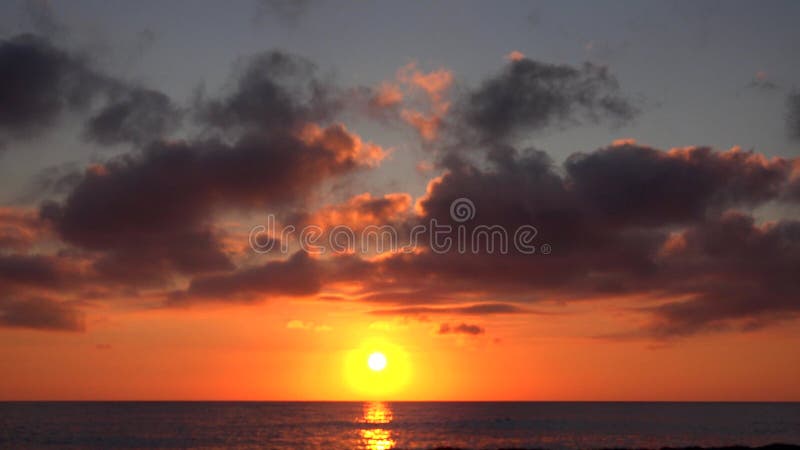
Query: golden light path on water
[373,436]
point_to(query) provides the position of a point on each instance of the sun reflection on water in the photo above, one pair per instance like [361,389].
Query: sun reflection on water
[374,437]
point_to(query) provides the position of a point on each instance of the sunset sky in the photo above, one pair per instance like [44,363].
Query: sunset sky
[653,146]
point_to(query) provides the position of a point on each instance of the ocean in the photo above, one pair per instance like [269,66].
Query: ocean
[395,425]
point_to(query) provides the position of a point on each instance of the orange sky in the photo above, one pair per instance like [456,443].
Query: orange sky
[249,353]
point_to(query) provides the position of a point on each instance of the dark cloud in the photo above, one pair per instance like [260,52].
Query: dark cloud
[623,185]
[793,114]
[135,115]
[734,270]
[69,275]
[296,276]
[41,314]
[479,309]
[154,209]
[529,95]
[636,184]
[275,90]
[29,270]
[25,270]
[623,220]
[149,214]
[20,229]
[39,82]
[461,328]
[24,278]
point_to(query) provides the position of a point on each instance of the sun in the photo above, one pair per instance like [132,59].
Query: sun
[376,361]
[377,369]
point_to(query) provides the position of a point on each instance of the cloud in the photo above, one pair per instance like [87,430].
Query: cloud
[415,97]
[154,210]
[137,116]
[624,220]
[479,309]
[37,271]
[387,95]
[37,291]
[674,228]
[424,167]
[40,314]
[40,82]
[461,328]
[435,85]
[298,275]
[20,228]
[670,228]
[515,55]
[274,90]
[724,266]
[528,96]
[633,183]
[362,210]
[150,213]
[426,125]
[37,285]
[525,97]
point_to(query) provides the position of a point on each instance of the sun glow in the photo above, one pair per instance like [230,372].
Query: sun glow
[377,369]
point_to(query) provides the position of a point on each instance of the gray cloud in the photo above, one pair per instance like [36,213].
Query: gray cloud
[462,328]
[135,115]
[528,96]
[41,314]
[296,276]
[477,310]
[40,82]
[153,210]
[274,90]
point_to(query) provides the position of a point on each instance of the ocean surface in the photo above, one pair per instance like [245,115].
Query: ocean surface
[383,426]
